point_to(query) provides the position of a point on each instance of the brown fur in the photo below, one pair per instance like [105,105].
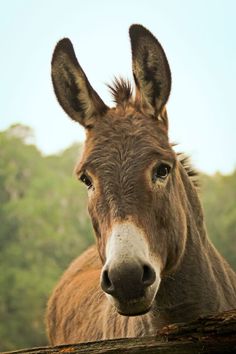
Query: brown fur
[122,146]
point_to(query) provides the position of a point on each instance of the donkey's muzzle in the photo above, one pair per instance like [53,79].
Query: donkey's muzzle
[127,281]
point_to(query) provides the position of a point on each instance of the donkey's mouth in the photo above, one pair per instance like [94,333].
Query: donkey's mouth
[134,307]
[131,311]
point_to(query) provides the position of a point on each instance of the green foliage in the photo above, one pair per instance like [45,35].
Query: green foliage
[219,202]
[44,225]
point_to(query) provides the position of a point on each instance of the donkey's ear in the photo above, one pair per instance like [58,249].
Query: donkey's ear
[72,88]
[150,69]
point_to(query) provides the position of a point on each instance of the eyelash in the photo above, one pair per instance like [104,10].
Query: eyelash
[161,172]
[84,178]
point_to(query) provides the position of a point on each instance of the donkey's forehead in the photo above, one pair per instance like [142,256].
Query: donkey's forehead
[126,121]
[125,137]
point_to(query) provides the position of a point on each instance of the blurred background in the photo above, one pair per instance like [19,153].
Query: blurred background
[43,217]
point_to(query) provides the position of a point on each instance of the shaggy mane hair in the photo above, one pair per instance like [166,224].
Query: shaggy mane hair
[121,91]
[192,173]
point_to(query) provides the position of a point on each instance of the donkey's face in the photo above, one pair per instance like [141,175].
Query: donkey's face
[136,197]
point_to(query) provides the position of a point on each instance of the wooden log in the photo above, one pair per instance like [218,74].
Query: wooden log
[211,334]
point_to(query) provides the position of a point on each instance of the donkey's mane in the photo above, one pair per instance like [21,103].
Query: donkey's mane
[121,90]
[186,163]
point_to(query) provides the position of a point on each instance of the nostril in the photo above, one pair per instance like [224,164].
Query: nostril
[106,284]
[106,278]
[149,275]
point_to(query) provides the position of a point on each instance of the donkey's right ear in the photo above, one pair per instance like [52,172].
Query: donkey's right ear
[72,88]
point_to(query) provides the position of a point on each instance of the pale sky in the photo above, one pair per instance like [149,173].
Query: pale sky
[199,38]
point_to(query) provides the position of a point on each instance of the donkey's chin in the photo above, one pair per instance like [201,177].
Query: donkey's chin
[133,307]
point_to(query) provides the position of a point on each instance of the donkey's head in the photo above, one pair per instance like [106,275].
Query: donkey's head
[135,191]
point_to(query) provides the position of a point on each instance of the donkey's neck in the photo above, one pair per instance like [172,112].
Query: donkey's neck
[188,292]
[203,282]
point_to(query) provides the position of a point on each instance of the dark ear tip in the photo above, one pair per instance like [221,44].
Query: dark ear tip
[137,31]
[135,28]
[63,46]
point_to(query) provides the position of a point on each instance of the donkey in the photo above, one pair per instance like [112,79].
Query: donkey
[153,263]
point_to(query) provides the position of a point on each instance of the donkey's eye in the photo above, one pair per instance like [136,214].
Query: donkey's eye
[161,172]
[86,180]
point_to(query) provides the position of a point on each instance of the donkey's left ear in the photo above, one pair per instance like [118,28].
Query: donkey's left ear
[150,69]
